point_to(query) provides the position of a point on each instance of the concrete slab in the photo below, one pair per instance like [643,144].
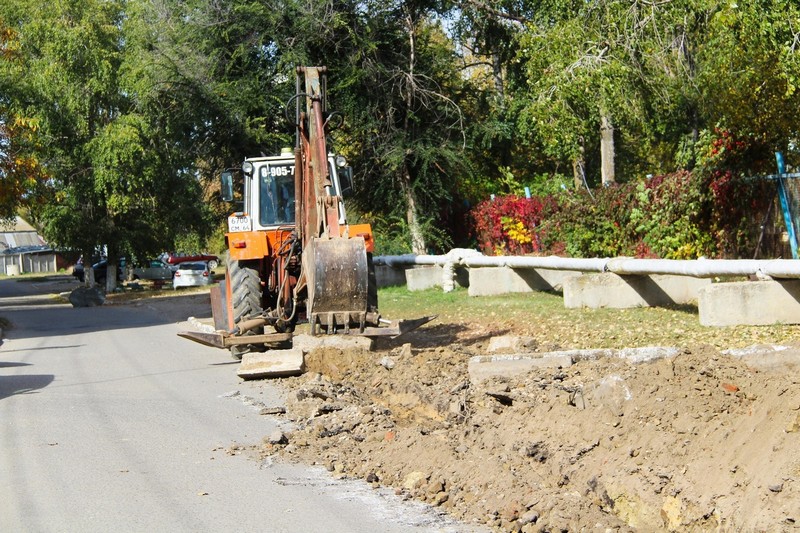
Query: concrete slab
[490,281]
[638,355]
[511,343]
[271,364]
[753,303]
[424,278]
[428,277]
[769,357]
[623,292]
[387,276]
[646,354]
[481,368]
[308,342]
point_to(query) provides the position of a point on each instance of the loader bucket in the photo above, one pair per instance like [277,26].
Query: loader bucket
[338,284]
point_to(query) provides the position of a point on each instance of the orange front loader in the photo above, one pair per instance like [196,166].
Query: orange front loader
[292,255]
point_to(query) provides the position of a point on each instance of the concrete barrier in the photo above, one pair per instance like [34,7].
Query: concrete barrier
[491,281]
[624,283]
[624,292]
[754,303]
[388,276]
[427,277]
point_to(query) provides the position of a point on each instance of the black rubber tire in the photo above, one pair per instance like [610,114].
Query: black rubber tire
[245,301]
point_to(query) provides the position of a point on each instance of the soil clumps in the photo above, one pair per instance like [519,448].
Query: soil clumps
[701,440]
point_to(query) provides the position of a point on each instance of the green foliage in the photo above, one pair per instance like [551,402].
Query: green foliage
[669,216]
[401,94]
[749,75]
[678,216]
[116,115]
[393,236]
[586,225]
[117,178]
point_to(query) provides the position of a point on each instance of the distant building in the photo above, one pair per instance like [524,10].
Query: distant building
[19,234]
[23,250]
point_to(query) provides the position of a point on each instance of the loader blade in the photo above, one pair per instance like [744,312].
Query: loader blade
[215,340]
[224,340]
[397,328]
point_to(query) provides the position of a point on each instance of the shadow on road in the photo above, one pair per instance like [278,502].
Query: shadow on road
[4,352]
[32,314]
[23,384]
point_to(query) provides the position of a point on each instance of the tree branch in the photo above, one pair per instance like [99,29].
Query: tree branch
[482,6]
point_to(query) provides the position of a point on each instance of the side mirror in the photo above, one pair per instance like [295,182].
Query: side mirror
[226,186]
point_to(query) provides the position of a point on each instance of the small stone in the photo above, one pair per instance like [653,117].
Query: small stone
[730,387]
[372,477]
[277,437]
[272,411]
[405,350]
[510,512]
[387,363]
[440,498]
[794,425]
[414,480]
[435,487]
[778,487]
[529,517]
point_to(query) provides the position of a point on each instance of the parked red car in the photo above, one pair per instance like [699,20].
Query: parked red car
[175,259]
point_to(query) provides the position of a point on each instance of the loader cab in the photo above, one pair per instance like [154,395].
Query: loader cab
[268,196]
[275,190]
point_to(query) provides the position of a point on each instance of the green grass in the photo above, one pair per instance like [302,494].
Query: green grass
[543,316]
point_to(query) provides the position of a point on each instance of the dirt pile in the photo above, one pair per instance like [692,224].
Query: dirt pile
[701,440]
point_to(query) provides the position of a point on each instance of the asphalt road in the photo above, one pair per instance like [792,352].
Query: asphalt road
[110,422]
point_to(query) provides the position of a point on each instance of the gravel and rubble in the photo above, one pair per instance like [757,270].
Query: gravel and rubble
[689,439]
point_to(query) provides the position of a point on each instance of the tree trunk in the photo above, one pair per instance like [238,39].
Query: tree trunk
[111,276]
[579,167]
[497,74]
[88,274]
[606,149]
[412,216]
[406,179]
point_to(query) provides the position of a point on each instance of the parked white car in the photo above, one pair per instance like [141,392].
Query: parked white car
[192,274]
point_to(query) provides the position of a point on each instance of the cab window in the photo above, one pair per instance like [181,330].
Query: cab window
[276,194]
